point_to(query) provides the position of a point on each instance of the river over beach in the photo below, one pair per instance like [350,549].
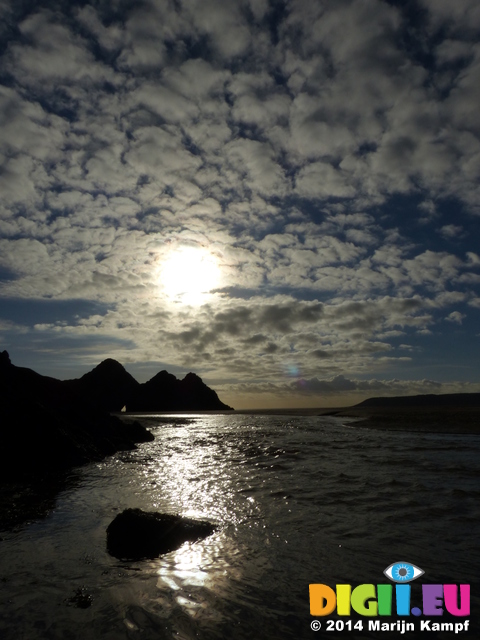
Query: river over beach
[297,500]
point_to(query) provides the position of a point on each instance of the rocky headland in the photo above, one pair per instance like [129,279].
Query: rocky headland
[50,426]
[112,388]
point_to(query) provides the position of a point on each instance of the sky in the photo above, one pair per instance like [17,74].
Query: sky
[279,195]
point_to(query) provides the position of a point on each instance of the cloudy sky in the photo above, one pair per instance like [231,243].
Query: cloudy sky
[280,195]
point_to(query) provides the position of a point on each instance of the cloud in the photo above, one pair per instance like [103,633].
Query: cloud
[451,231]
[51,53]
[464,15]
[321,180]
[254,162]
[224,23]
[456,317]
[317,387]
[7,326]
[429,211]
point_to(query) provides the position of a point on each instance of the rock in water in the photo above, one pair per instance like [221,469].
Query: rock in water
[135,534]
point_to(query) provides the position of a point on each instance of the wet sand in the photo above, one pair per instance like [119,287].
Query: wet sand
[28,499]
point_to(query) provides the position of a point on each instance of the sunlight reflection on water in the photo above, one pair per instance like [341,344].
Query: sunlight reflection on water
[193,570]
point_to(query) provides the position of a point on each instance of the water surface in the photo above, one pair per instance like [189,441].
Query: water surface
[298,500]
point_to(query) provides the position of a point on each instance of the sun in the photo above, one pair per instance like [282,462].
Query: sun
[188,274]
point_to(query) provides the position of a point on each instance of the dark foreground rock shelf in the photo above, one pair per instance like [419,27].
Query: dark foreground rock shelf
[136,535]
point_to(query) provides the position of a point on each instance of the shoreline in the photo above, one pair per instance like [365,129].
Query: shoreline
[32,497]
[430,419]
[453,421]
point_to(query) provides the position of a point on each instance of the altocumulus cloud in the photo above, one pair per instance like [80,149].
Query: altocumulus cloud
[324,154]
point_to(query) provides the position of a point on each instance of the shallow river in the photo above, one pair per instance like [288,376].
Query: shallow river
[297,500]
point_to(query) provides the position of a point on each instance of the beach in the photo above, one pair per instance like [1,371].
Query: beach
[296,499]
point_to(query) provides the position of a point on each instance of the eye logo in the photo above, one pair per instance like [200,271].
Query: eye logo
[403,572]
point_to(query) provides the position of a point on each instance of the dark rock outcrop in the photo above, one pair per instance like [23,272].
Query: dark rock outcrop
[136,535]
[48,427]
[160,393]
[109,386]
[164,392]
[198,394]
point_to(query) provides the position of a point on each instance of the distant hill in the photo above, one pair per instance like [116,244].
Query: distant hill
[111,388]
[446,400]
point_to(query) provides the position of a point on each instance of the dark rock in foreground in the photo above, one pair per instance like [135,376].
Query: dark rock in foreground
[136,535]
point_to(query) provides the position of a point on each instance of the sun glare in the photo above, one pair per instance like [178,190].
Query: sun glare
[188,274]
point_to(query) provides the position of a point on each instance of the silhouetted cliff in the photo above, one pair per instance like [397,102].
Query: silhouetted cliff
[48,426]
[164,392]
[111,387]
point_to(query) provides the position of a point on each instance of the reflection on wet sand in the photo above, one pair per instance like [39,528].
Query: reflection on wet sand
[296,500]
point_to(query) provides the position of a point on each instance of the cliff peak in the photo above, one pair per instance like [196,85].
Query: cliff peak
[5,359]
